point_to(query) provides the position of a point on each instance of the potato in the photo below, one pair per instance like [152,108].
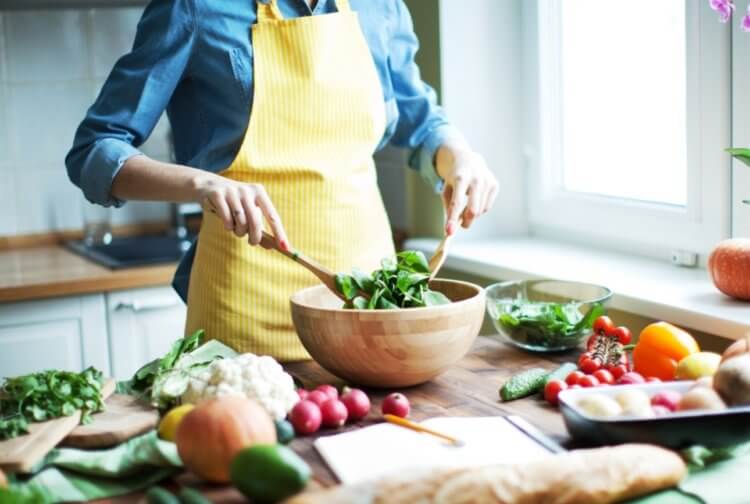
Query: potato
[701,398]
[732,380]
[635,403]
[599,405]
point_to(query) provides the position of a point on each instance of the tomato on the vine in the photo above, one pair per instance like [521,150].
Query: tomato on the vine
[590,365]
[574,377]
[553,389]
[588,381]
[604,325]
[623,335]
[618,371]
[604,376]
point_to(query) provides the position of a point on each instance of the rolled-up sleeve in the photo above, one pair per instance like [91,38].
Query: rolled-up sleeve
[423,125]
[132,99]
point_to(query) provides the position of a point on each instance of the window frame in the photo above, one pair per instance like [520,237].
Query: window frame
[645,228]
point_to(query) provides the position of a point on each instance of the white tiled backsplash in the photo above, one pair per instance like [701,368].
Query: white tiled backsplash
[52,65]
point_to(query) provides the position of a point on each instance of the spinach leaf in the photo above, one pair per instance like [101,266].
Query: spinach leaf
[400,283]
[545,323]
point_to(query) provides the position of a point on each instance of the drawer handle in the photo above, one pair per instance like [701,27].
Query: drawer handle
[136,306]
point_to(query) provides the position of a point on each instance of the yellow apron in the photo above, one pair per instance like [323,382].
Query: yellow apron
[317,117]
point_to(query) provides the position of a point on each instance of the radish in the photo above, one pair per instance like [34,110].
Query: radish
[667,398]
[328,390]
[334,413]
[305,417]
[302,393]
[630,378]
[318,397]
[396,404]
[357,404]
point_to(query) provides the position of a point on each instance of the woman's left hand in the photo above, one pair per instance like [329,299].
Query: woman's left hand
[470,187]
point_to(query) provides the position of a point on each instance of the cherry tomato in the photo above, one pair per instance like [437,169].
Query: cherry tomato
[590,365]
[588,381]
[604,325]
[623,335]
[573,377]
[604,376]
[618,371]
[553,389]
[585,355]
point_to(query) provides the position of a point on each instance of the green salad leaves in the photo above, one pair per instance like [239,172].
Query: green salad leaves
[546,324]
[400,283]
[48,395]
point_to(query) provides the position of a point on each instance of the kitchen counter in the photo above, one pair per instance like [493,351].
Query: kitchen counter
[470,388]
[52,271]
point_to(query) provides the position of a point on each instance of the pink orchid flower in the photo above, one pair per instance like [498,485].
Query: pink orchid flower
[746,20]
[724,8]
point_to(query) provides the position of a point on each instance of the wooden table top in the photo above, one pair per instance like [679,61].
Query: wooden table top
[470,388]
[53,271]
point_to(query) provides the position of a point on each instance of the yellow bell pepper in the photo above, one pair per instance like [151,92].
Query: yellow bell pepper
[660,347]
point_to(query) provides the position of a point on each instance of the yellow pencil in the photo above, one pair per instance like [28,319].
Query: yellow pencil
[403,422]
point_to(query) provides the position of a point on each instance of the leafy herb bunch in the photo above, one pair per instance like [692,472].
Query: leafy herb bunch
[400,283]
[47,395]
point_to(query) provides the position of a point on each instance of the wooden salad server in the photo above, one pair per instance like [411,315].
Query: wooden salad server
[324,274]
[438,258]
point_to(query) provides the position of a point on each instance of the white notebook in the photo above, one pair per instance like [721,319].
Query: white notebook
[372,452]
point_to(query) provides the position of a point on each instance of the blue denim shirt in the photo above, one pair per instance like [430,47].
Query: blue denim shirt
[194,59]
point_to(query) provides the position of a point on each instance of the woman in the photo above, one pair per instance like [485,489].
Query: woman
[276,108]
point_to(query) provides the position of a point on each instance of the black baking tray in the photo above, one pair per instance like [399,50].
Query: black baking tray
[678,430]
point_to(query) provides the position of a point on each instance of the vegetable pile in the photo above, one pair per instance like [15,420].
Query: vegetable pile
[546,324]
[400,283]
[47,395]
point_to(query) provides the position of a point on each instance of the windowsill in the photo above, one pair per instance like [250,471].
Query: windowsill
[642,286]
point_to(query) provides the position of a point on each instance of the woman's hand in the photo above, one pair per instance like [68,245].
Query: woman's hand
[242,207]
[470,187]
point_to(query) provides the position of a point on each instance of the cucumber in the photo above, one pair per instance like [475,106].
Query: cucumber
[523,384]
[159,495]
[192,496]
[560,373]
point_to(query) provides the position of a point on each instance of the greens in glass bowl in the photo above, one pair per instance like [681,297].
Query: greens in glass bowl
[545,315]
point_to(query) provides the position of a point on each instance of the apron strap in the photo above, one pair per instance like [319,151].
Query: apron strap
[343,5]
[268,11]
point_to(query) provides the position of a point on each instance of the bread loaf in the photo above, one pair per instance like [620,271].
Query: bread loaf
[596,476]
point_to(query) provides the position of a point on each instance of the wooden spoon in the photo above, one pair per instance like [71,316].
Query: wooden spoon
[438,258]
[324,274]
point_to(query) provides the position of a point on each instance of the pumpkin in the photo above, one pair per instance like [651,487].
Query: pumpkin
[729,266]
[217,429]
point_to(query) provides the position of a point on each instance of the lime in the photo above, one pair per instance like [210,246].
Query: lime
[170,421]
[268,473]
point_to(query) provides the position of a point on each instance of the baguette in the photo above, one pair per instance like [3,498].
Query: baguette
[596,476]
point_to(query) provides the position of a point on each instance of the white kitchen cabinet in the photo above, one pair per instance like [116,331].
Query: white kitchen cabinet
[143,324]
[67,333]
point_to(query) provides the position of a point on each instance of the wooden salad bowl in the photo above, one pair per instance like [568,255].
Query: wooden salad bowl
[389,348]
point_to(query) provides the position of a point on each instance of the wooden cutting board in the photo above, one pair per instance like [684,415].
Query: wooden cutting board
[123,418]
[22,453]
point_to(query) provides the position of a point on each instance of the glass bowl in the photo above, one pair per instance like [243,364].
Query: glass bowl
[545,315]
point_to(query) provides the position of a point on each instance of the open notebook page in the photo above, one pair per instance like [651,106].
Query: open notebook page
[374,451]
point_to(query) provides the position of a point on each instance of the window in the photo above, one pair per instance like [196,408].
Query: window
[629,113]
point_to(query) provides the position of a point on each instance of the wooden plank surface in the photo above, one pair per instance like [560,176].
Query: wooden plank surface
[22,453]
[124,417]
[52,271]
[470,388]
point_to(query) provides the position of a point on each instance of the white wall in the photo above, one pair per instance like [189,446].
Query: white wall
[482,93]
[52,65]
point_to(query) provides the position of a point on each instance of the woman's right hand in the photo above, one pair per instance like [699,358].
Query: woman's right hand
[242,208]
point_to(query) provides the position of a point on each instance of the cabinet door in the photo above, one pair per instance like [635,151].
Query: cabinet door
[67,333]
[143,324]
